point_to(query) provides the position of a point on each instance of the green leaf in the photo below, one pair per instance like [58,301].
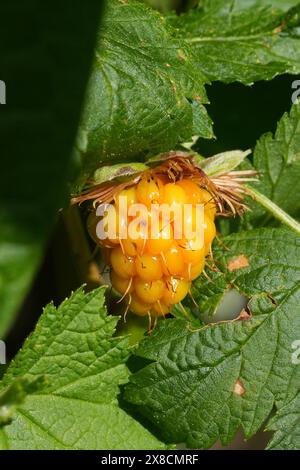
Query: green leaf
[204,384]
[14,395]
[220,163]
[245,4]
[277,158]
[144,93]
[280,4]
[233,44]
[45,80]
[286,424]
[261,262]
[117,172]
[223,162]
[74,347]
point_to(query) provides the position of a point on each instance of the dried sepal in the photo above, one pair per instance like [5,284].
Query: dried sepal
[228,190]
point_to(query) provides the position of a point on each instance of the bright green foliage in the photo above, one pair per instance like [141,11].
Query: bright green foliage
[277,158]
[231,43]
[273,267]
[286,423]
[74,349]
[144,93]
[190,391]
[14,395]
[280,4]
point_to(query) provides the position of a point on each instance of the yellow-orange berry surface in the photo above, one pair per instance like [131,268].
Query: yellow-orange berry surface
[163,248]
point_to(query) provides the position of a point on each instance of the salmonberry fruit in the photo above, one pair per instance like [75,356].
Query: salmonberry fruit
[148,267]
[137,306]
[123,265]
[160,237]
[174,196]
[129,195]
[176,290]
[121,284]
[172,261]
[152,267]
[150,190]
[149,292]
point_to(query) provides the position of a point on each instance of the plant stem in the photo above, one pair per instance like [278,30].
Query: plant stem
[275,210]
[228,38]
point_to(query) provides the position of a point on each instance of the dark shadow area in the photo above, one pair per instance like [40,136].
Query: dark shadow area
[241,114]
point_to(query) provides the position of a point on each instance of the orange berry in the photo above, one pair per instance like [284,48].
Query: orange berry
[192,271]
[192,225]
[122,264]
[137,234]
[209,203]
[149,190]
[129,196]
[160,237]
[160,309]
[129,247]
[192,190]
[191,248]
[207,248]
[148,267]
[174,196]
[133,247]
[172,261]
[122,224]
[149,292]
[198,195]
[176,290]
[138,222]
[209,229]
[137,306]
[120,284]
[191,252]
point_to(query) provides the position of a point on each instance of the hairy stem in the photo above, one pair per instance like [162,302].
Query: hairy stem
[275,210]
